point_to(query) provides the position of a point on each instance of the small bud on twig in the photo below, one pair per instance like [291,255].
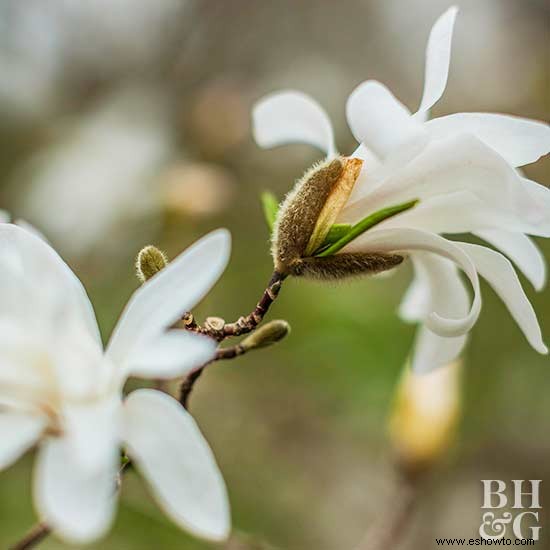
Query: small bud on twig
[150,261]
[266,335]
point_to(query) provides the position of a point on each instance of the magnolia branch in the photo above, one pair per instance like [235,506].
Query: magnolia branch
[389,529]
[217,328]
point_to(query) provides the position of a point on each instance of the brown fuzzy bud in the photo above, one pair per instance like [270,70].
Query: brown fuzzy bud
[340,266]
[149,262]
[300,211]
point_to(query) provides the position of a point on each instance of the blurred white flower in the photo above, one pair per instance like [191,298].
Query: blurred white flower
[462,169]
[89,186]
[60,389]
[47,45]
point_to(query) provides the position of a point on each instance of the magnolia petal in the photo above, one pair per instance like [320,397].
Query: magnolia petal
[519,140]
[173,354]
[407,240]
[40,265]
[437,287]
[459,164]
[77,504]
[432,351]
[18,433]
[92,430]
[438,56]
[377,119]
[292,117]
[501,275]
[166,445]
[163,299]
[521,250]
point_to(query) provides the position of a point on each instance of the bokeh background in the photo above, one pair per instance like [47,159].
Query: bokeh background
[126,122]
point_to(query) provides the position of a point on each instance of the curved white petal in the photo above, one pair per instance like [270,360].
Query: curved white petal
[437,286]
[377,119]
[51,278]
[292,117]
[438,56]
[76,503]
[501,275]
[407,240]
[519,140]
[521,250]
[173,354]
[161,301]
[18,433]
[458,164]
[166,445]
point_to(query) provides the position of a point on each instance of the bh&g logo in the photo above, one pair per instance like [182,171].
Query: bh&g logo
[523,520]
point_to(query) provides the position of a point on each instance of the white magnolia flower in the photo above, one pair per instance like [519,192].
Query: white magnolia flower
[462,169]
[59,388]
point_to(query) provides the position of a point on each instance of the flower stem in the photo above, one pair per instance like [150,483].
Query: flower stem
[37,533]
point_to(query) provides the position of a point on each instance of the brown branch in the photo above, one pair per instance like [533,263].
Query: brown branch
[220,331]
[36,535]
[390,528]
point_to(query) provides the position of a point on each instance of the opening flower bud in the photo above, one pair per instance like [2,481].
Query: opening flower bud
[149,262]
[306,240]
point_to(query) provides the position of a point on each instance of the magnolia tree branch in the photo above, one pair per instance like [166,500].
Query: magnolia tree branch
[218,329]
[38,533]
[389,530]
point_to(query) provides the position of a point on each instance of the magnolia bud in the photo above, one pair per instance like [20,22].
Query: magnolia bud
[306,240]
[266,335]
[425,416]
[149,262]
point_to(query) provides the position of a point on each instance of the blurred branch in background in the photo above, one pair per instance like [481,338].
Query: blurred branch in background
[422,429]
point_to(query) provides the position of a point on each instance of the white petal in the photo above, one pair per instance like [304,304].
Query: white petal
[458,164]
[167,446]
[77,504]
[410,240]
[51,277]
[292,117]
[519,140]
[162,300]
[500,274]
[377,119]
[4,217]
[173,354]
[438,56]
[521,250]
[432,351]
[437,287]
[416,300]
[92,429]
[18,433]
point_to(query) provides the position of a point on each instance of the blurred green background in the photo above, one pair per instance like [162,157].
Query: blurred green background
[126,123]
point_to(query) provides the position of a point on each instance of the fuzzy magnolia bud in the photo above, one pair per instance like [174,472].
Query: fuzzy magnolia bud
[266,335]
[305,233]
[150,261]
[425,416]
